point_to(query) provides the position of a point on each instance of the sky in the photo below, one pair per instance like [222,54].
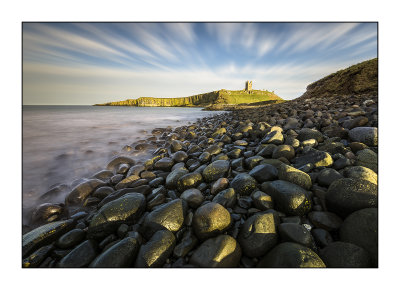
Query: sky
[89,63]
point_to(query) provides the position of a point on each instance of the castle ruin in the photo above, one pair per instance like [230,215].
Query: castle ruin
[249,86]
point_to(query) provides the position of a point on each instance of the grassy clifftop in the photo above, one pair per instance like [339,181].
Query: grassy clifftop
[358,79]
[221,97]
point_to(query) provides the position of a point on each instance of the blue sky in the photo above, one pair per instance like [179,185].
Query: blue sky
[87,63]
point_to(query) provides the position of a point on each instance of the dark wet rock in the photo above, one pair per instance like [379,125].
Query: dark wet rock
[79,257]
[157,250]
[219,252]
[44,235]
[71,239]
[115,162]
[126,209]
[327,176]
[169,216]
[127,182]
[262,201]
[204,157]
[347,195]
[244,184]
[178,166]
[315,157]
[164,164]
[274,137]
[306,134]
[216,170]
[341,163]
[210,220]
[288,197]
[219,185]
[336,131]
[122,230]
[108,240]
[357,122]
[357,146]
[332,147]
[345,255]
[136,170]
[190,180]
[193,197]
[264,172]
[213,149]
[176,146]
[143,189]
[149,175]
[188,242]
[361,228]
[122,168]
[104,175]
[286,151]
[36,258]
[46,212]
[103,192]
[116,178]
[226,198]
[366,135]
[321,237]
[296,233]
[367,158]
[156,200]
[245,202]
[267,150]
[115,195]
[361,172]
[258,235]
[180,156]
[82,191]
[171,181]
[120,255]
[325,220]
[293,175]
[252,161]
[156,182]
[291,255]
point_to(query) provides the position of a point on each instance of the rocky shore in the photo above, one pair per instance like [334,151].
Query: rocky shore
[287,185]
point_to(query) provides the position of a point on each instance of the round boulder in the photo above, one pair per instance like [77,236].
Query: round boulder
[291,255]
[216,170]
[345,255]
[366,135]
[211,220]
[219,252]
[347,195]
[258,235]
[244,184]
[193,197]
[361,228]
[293,175]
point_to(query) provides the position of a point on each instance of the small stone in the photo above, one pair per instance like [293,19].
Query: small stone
[325,220]
[361,172]
[193,197]
[295,176]
[244,184]
[367,158]
[327,176]
[190,180]
[296,233]
[306,134]
[264,172]
[122,254]
[226,198]
[219,185]
[286,151]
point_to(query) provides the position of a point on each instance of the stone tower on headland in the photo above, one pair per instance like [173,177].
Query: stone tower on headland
[249,86]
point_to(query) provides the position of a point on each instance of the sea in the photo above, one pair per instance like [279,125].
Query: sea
[62,144]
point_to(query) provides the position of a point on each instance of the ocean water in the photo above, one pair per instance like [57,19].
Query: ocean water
[64,143]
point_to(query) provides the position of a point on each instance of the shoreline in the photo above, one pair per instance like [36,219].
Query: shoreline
[213,179]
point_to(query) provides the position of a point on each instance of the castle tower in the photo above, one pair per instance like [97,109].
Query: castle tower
[249,86]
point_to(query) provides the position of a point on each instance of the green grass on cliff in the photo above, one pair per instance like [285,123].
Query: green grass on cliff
[221,97]
[358,79]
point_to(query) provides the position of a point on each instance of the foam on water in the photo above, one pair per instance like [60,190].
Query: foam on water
[65,143]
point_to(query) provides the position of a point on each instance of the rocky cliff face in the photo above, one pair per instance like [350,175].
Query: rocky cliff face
[359,79]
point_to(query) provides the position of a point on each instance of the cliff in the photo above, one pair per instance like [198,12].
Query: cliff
[359,79]
[220,98]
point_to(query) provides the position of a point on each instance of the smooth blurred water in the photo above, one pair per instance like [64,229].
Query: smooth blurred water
[65,143]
